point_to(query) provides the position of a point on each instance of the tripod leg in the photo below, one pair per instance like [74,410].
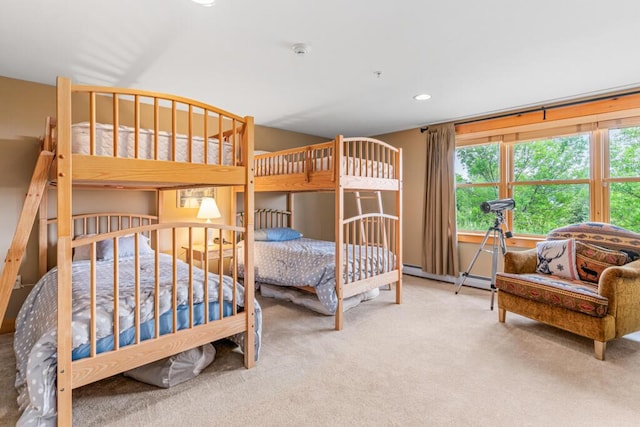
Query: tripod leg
[498,239]
[473,261]
[503,245]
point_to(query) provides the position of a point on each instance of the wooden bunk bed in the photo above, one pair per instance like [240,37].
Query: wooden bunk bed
[344,165]
[152,142]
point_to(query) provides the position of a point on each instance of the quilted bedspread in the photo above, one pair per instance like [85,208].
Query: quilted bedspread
[310,262]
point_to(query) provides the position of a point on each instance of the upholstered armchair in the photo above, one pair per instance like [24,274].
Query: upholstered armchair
[584,278]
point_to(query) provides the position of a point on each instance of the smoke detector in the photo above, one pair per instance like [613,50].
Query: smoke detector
[300,49]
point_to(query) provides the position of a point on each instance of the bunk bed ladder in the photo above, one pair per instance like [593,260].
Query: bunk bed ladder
[377,195]
[16,251]
[374,195]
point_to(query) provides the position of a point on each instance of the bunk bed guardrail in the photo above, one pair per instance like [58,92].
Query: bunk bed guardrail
[362,157]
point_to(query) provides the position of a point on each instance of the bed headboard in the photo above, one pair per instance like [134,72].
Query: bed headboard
[92,223]
[98,223]
[267,218]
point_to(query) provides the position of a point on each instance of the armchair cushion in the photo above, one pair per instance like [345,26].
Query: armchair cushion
[573,295]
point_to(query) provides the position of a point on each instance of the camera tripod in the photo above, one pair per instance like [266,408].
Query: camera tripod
[498,239]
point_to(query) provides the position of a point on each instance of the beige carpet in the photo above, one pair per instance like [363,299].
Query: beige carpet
[438,359]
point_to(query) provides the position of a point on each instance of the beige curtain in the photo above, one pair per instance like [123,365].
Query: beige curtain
[440,245]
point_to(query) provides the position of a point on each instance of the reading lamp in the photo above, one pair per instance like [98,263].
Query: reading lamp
[208,209]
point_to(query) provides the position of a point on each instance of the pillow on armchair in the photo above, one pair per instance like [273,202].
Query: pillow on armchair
[557,257]
[591,260]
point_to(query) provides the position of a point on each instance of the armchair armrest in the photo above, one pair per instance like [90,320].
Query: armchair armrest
[519,262]
[621,286]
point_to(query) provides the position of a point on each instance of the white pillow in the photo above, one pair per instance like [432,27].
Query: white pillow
[82,252]
[557,257]
[126,247]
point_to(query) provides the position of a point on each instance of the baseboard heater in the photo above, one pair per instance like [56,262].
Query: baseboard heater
[415,270]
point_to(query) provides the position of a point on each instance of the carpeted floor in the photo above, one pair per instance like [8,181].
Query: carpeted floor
[438,359]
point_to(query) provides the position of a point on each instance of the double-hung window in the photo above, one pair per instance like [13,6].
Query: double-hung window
[549,183]
[557,176]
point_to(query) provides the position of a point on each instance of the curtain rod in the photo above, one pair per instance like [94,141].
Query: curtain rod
[542,108]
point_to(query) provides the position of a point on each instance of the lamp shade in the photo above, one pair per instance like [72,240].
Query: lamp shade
[208,209]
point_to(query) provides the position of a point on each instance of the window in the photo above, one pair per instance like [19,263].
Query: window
[550,183]
[477,176]
[557,176]
[624,177]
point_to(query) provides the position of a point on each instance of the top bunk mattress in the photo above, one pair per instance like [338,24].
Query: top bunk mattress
[104,145]
[269,166]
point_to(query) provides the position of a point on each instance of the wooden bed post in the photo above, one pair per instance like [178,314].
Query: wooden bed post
[249,285]
[43,231]
[290,209]
[64,381]
[339,233]
[160,204]
[398,247]
[48,144]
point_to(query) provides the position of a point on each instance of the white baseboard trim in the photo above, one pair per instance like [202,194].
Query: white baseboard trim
[414,270]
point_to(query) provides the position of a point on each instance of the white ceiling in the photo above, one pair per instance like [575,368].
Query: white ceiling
[473,57]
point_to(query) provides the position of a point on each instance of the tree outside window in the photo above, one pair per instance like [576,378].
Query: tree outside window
[477,171]
[551,181]
[624,177]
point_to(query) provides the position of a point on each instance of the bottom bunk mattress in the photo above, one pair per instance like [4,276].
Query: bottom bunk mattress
[310,262]
[35,340]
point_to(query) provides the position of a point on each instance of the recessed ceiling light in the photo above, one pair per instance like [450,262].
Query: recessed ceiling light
[205,3]
[422,97]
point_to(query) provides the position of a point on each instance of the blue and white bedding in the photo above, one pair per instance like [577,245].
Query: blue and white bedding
[35,341]
[311,262]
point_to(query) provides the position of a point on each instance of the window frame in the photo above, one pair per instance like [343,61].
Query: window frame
[595,126]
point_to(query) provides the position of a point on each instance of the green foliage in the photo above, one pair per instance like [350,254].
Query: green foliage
[468,200]
[542,207]
[624,197]
[624,152]
[624,205]
[478,163]
[552,159]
